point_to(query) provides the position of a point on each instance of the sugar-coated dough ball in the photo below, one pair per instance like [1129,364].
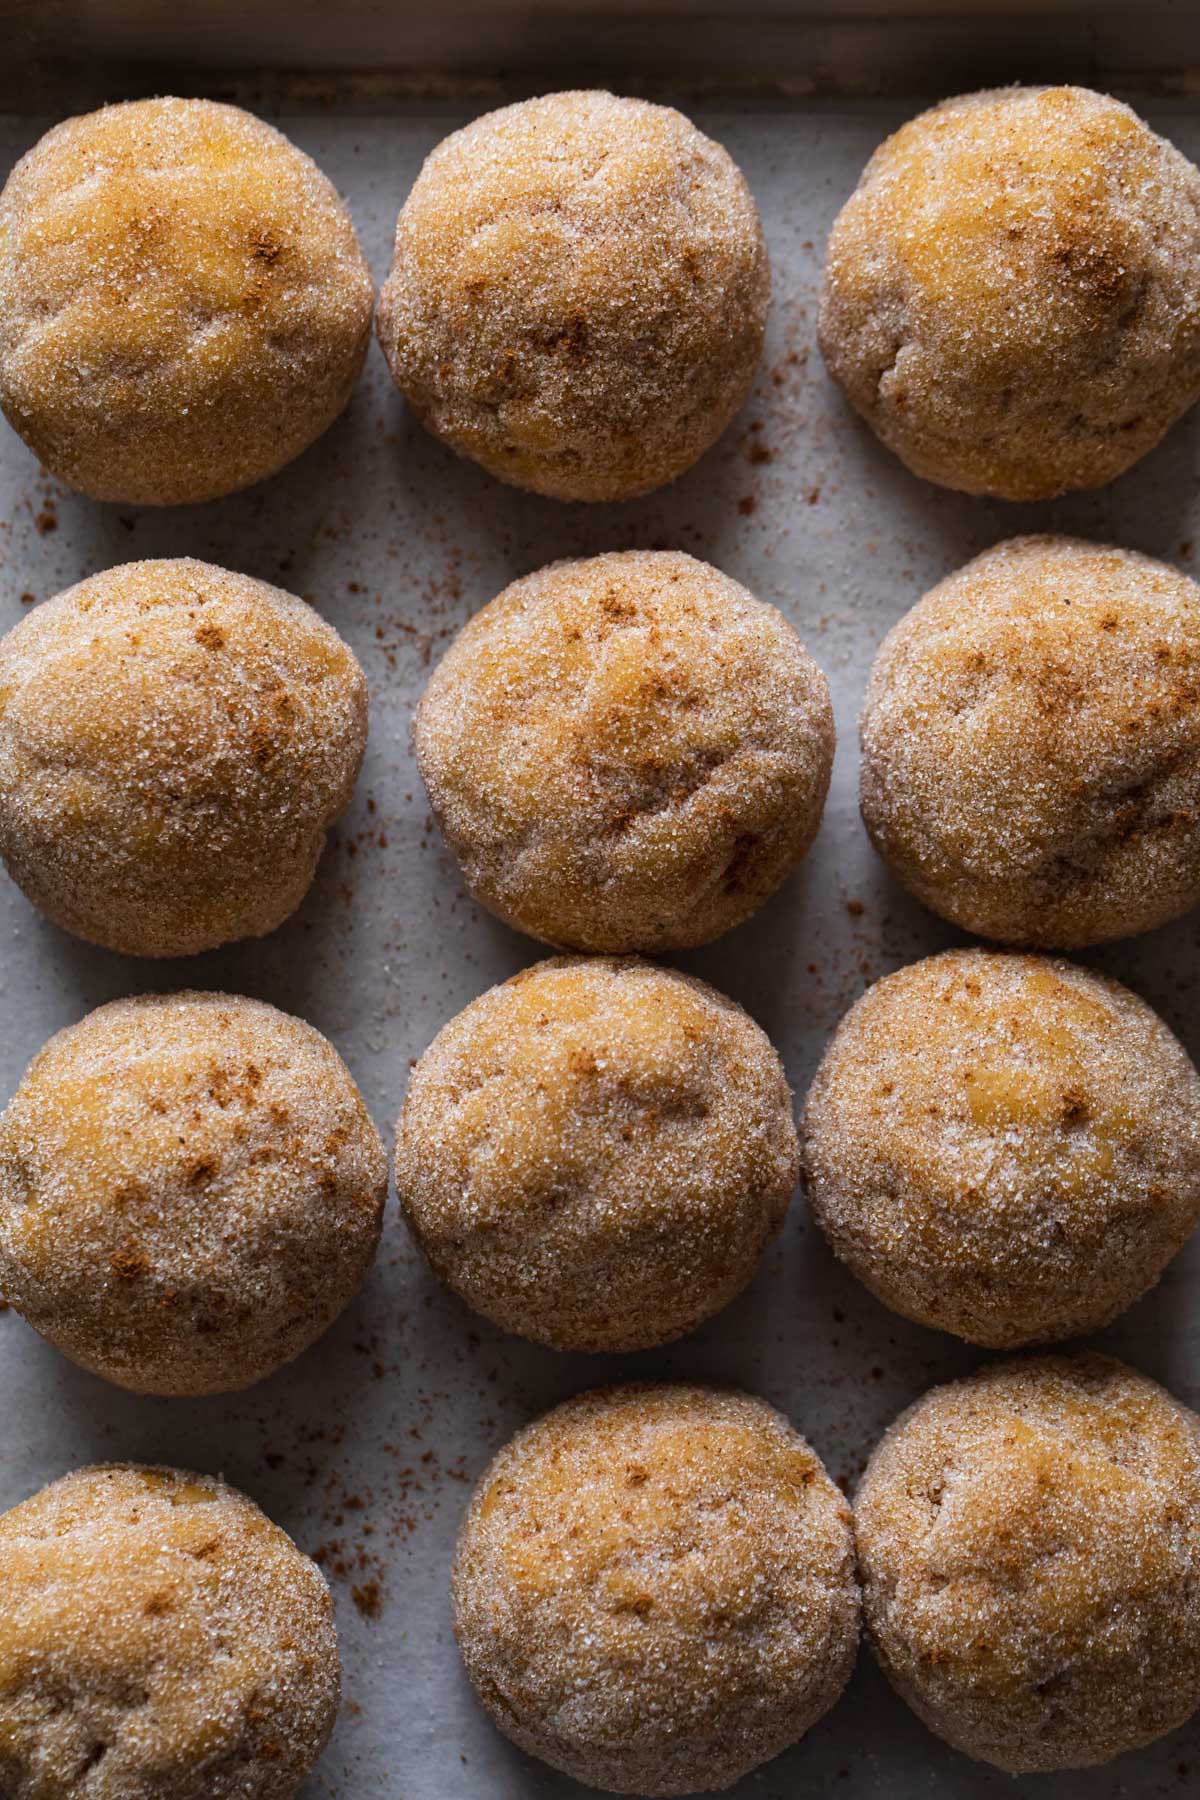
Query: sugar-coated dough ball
[1029,1540]
[159,1640]
[1031,745]
[1003,1146]
[191,1191]
[655,1588]
[595,1153]
[1012,293]
[578,295]
[175,740]
[627,752]
[183,303]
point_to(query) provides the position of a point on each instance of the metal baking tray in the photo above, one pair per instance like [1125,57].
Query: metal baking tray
[365,1448]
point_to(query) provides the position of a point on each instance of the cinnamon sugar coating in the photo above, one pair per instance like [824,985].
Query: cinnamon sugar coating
[191,1191]
[159,1640]
[1003,1146]
[1012,293]
[1031,744]
[655,1588]
[1030,1548]
[595,1153]
[184,306]
[626,752]
[578,295]
[175,740]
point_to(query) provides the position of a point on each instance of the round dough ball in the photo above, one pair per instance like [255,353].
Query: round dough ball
[578,295]
[627,752]
[1031,745]
[191,1191]
[175,741]
[1029,1540]
[595,1154]
[160,1640]
[655,1588]
[1004,1147]
[183,303]
[1012,293]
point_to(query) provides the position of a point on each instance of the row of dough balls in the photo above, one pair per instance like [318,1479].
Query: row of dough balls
[594,1155]
[577,298]
[657,1588]
[627,752]
[631,753]
[579,293]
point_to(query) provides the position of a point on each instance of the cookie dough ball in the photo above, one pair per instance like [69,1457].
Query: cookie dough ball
[1004,1147]
[1012,293]
[1029,1540]
[595,1154]
[160,1640]
[1031,745]
[628,752]
[191,1191]
[578,295]
[175,741]
[655,1588]
[183,303]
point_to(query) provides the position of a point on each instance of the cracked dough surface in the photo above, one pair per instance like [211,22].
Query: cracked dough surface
[175,740]
[1003,1146]
[578,295]
[626,752]
[191,1191]
[160,1639]
[1029,1540]
[655,1588]
[184,306]
[595,1153]
[1031,744]
[1012,293]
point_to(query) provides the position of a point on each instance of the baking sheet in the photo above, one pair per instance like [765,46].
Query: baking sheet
[364,1449]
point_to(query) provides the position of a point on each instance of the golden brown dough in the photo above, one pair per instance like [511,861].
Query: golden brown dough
[595,1153]
[1031,744]
[159,1640]
[578,294]
[1004,1147]
[627,752]
[191,1191]
[1012,293]
[655,1588]
[184,307]
[1029,1540]
[175,741]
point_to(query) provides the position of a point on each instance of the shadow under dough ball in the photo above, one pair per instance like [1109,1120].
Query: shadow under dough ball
[184,306]
[1028,1540]
[627,752]
[578,295]
[596,1153]
[1012,293]
[175,741]
[655,1588]
[191,1191]
[1003,1146]
[160,1638]
[1031,745]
